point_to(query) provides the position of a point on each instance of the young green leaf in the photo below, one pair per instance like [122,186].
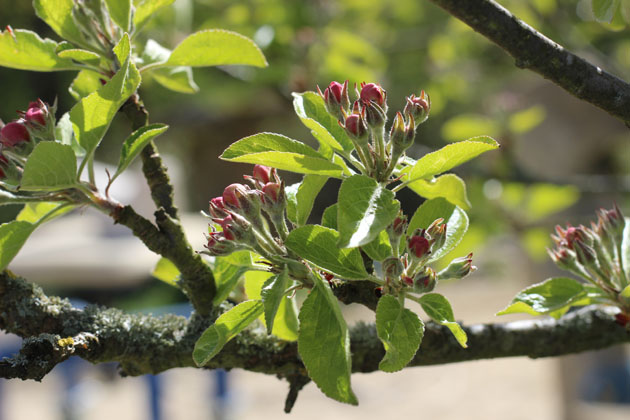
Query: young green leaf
[310,186]
[449,186]
[455,218]
[604,10]
[166,271]
[545,297]
[439,309]
[317,244]
[123,48]
[51,166]
[67,50]
[86,82]
[329,218]
[450,156]
[65,135]
[92,116]
[216,47]
[364,209]
[178,79]
[228,271]
[280,152]
[38,213]
[146,8]
[134,144]
[226,327]
[272,294]
[285,324]
[25,50]
[379,248]
[324,344]
[401,332]
[12,237]
[309,106]
[58,15]
[120,12]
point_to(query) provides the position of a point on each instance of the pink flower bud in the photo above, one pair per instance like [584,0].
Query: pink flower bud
[336,98]
[425,280]
[35,114]
[402,135]
[418,246]
[418,107]
[356,127]
[262,173]
[218,245]
[458,268]
[14,133]
[334,89]
[217,208]
[236,196]
[373,92]
[273,193]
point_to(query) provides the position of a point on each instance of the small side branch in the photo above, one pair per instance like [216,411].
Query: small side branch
[535,52]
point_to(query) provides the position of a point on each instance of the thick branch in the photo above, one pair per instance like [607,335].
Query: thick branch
[145,344]
[535,52]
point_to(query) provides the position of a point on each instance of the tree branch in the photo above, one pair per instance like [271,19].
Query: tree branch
[535,52]
[146,344]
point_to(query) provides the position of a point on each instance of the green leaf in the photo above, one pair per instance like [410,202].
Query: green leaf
[25,50]
[216,47]
[625,293]
[309,106]
[178,79]
[272,293]
[317,244]
[50,167]
[379,248]
[455,218]
[86,82]
[12,237]
[310,186]
[67,50]
[545,297]
[439,309]
[38,213]
[449,186]
[401,332]
[228,271]
[329,218]
[364,209]
[134,144]
[226,327]
[604,10]
[285,324]
[146,8]
[58,15]
[324,344]
[280,152]
[65,134]
[123,48]
[166,271]
[291,192]
[92,116]
[120,12]
[451,156]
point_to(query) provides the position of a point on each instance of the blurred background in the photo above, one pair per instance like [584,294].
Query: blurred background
[560,160]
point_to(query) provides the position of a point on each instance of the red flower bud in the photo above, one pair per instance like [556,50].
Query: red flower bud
[418,246]
[273,193]
[458,268]
[217,208]
[425,280]
[262,173]
[355,126]
[373,92]
[418,107]
[336,90]
[14,133]
[336,98]
[35,114]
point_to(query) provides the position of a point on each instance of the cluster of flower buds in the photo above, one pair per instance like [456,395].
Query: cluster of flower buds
[18,137]
[364,120]
[410,270]
[241,211]
[594,253]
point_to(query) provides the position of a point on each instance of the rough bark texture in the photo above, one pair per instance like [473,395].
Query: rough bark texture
[147,344]
[535,52]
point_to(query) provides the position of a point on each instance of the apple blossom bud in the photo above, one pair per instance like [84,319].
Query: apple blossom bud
[262,173]
[424,281]
[219,245]
[458,268]
[237,228]
[356,127]
[392,267]
[418,246]
[401,136]
[36,113]
[373,92]
[336,98]
[418,107]
[437,233]
[14,133]
[242,200]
